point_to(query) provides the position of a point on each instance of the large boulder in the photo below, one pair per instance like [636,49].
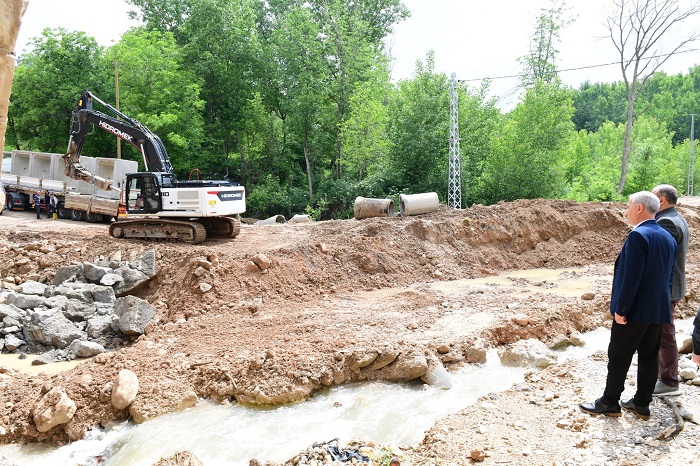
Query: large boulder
[94,273]
[53,409]
[32,287]
[25,301]
[134,314]
[12,311]
[53,329]
[528,353]
[125,389]
[77,311]
[146,263]
[85,349]
[166,396]
[67,273]
[99,326]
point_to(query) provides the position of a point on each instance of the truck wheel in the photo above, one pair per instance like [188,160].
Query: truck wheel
[62,212]
[76,215]
[93,217]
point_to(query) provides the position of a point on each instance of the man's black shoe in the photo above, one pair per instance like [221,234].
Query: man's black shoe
[642,412]
[598,407]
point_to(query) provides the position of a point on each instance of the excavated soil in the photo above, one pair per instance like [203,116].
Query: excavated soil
[352,300]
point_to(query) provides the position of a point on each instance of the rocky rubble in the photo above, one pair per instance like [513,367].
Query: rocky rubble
[86,309]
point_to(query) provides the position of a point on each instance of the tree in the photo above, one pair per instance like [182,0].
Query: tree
[419,124]
[352,35]
[539,64]
[637,30]
[161,15]
[48,81]
[364,133]
[597,103]
[525,162]
[222,48]
[157,90]
[300,76]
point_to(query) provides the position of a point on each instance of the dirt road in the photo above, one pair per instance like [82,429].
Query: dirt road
[351,300]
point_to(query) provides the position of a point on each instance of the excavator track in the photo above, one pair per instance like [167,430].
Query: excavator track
[223,227]
[156,228]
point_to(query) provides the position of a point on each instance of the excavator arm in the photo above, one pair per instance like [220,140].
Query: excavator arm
[150,146]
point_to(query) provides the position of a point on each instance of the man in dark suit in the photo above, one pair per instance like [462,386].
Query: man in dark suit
[673,222]
[640,304]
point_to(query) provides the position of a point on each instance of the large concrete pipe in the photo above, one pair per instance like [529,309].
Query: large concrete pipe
[416,204]
[11,12]
[300,218]
[366,207]
[272,220]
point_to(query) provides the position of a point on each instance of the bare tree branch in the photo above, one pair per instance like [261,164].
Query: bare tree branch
[637,31]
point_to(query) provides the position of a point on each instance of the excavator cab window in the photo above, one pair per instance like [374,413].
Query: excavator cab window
[143,193]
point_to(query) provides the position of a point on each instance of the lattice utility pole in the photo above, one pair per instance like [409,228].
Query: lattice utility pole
[691,169]
[454,182]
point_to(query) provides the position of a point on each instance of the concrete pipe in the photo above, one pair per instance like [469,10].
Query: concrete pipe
[300,218]
[416,204]
[272,220]
[366,207]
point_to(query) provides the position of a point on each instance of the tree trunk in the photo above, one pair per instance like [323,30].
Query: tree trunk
[626,143]
[11,12]
[308,167]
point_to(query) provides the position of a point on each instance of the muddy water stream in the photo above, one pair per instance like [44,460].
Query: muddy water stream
[232,435]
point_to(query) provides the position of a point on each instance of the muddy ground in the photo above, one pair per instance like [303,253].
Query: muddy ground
[363,300]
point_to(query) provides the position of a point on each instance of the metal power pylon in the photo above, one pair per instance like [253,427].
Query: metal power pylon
[454,182]
[691,168]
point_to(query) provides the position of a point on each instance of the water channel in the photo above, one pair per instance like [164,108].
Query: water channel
[397,414]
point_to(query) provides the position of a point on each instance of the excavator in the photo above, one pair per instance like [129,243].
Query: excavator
[154,204]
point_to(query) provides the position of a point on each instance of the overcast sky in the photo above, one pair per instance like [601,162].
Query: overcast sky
[474,39]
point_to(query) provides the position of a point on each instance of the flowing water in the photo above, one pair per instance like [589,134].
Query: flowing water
[385,413]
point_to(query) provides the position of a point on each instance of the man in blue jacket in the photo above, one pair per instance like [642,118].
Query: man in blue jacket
[640,304]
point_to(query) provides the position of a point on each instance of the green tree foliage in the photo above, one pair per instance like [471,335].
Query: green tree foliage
[222,48]
[293,99]
[540,62]
[479,123]
[352,35]
[48,82]
[651,161]
[298,86]
[419,119]
[161,15]
[597,103]
[158,91]
[672,99]
[525,161]
[364,133]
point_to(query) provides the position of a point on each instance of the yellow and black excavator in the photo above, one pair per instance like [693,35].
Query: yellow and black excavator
[154,204]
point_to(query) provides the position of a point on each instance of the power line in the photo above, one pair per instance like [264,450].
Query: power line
[571,69]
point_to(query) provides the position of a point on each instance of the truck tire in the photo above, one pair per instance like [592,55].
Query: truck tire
[62,212]
[76,215]
[92,217]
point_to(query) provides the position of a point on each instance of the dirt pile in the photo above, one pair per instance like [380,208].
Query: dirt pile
[341,301]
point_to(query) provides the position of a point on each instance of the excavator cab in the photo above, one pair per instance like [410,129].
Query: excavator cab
[143,193]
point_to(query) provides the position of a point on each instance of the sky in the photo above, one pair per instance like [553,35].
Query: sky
[474,39]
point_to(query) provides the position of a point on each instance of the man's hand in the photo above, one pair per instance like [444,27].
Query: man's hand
[622,320]
[696,359]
